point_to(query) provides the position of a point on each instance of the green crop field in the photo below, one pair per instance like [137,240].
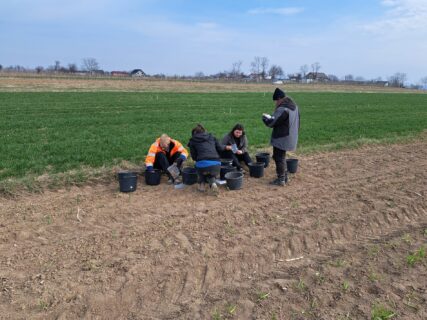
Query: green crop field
[47,133]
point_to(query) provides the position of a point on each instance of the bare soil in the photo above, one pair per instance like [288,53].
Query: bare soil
[22,83]
[332,244]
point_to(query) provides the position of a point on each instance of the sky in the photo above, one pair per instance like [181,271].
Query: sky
[367,38]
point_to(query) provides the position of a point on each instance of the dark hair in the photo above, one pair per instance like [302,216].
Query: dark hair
[198,129]
[237,126]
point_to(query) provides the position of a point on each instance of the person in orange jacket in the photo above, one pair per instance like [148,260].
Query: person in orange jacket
[163,153]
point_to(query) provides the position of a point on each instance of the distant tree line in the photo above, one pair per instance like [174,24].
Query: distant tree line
[260,71]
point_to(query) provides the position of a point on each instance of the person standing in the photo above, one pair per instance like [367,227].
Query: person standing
[204,150]
[285,122]
[236,146]
[163,153]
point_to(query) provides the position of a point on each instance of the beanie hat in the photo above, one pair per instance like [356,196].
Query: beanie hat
[278,94]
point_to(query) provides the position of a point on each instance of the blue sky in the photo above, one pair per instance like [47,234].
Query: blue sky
[369,38]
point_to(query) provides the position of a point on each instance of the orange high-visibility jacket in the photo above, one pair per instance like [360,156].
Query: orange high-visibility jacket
[155,147]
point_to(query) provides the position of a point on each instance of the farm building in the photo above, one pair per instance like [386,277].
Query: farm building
[137,73]
[119,74]
[316,77]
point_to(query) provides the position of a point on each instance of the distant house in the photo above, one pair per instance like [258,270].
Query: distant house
[316,77]
[137,73]
[295,77]
[119,74]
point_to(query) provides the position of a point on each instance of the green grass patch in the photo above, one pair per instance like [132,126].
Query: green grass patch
[56,132]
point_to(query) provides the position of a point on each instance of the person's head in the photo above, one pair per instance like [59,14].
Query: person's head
[198,129]
[238,131]
[165,141]
[278,96]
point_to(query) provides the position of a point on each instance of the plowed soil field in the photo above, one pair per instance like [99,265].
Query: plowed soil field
[335,243]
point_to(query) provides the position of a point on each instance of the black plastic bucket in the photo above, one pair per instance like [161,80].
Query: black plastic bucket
[263,157]
[127,181]
[292,165]
[256,169]
[189,175]
[234,180]
[152,178]
[226,162]
[226,169]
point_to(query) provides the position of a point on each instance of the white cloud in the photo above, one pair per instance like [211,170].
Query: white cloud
[286,11]
[401,16]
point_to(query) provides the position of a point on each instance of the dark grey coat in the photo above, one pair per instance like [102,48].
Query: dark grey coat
[285,124]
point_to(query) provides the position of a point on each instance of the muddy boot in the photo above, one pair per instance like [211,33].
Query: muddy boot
[282,176]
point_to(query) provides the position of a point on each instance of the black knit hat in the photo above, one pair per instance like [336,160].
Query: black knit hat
[278,94]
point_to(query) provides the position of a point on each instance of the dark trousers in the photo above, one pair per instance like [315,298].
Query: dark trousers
[162,162]
[208,174]
[245,157]
[279,157]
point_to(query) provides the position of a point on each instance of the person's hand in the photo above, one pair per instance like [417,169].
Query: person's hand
[150,168]
[239,152]
[227,147]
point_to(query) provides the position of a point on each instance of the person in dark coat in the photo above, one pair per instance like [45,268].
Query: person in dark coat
[285,122]
[205,150]
[236,146]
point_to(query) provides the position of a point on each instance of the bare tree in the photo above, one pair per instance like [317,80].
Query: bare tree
[275,71]
[57,66]
[39,69]
[348,77]
[315,67]
[256,67]
[424,81]
[303,70]
[72,67]
[199,75]
[259,67]
[236,71]
[333,78]
[90,65]
[1,67]
[397,80]
[264,66]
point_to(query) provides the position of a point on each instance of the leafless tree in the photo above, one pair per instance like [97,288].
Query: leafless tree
[264,66]
[333,78]
[348,77]
[199,75]
[259,67]
[397,80]
[1,67]
[57,66]
[236,71]
[256,66]
[72,67]
[303,70]
[39,69]
[315,67]
[90,65]
[424,81]
[359,78]
[275,71]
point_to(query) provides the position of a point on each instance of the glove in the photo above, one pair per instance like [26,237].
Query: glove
[150,168]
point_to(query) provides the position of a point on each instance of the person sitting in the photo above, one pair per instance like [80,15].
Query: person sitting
[236,146]
[204,150]
[163,153]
